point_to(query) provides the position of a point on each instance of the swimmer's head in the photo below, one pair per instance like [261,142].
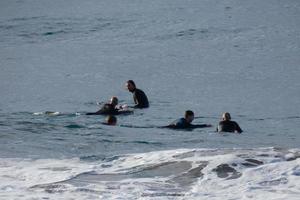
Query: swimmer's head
[111,120]
[130,85]
[114,101]
[226,116]
[189,116]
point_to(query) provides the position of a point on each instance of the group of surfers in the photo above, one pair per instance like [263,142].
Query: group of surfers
[113,108]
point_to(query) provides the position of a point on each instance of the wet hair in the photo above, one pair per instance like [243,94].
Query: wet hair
[226,116]
[188,113]
[114,101]
[111,120]
[131,82]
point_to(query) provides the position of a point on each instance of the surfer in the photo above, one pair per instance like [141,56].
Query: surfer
[111,108]
[110,120]
[185,123]
[226,125]
[139,97]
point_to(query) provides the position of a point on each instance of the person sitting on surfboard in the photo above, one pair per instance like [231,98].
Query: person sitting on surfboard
[185,123]
[226,125]
[139,97]
[111,108]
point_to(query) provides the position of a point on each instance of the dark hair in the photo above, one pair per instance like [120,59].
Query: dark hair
[189,113]
[131,82]
[226,116]
[111,119]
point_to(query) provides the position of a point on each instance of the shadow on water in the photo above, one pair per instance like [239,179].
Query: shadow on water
[74,126]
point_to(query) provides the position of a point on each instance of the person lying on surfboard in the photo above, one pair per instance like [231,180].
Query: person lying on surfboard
[111,108]
[185,123]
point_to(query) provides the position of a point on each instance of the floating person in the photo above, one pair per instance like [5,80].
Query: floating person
[111,108]
[110,120]
[226,125]
[139,97]
[185,123]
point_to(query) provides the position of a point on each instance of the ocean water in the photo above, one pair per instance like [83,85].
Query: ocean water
[209,56]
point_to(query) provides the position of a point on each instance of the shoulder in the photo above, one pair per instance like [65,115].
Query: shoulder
[178,124]
[234,122]
[178,121]
[181,121]
[139,91]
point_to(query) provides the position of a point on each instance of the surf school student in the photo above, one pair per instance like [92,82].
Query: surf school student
[110,120]
[185,123]
[226,125]
[139,97]
[108,108]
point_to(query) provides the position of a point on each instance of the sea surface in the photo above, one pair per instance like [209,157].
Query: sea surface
[59,58]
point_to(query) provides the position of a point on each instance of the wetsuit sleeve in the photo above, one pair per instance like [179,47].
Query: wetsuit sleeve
[238,128]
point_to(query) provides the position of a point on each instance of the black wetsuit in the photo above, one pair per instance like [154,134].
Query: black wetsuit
[183,124]
[107,109]
[229,126]
[140,99]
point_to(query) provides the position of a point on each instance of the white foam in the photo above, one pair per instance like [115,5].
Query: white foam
[50,113]
[18,176]
[157,175]
[274,180]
